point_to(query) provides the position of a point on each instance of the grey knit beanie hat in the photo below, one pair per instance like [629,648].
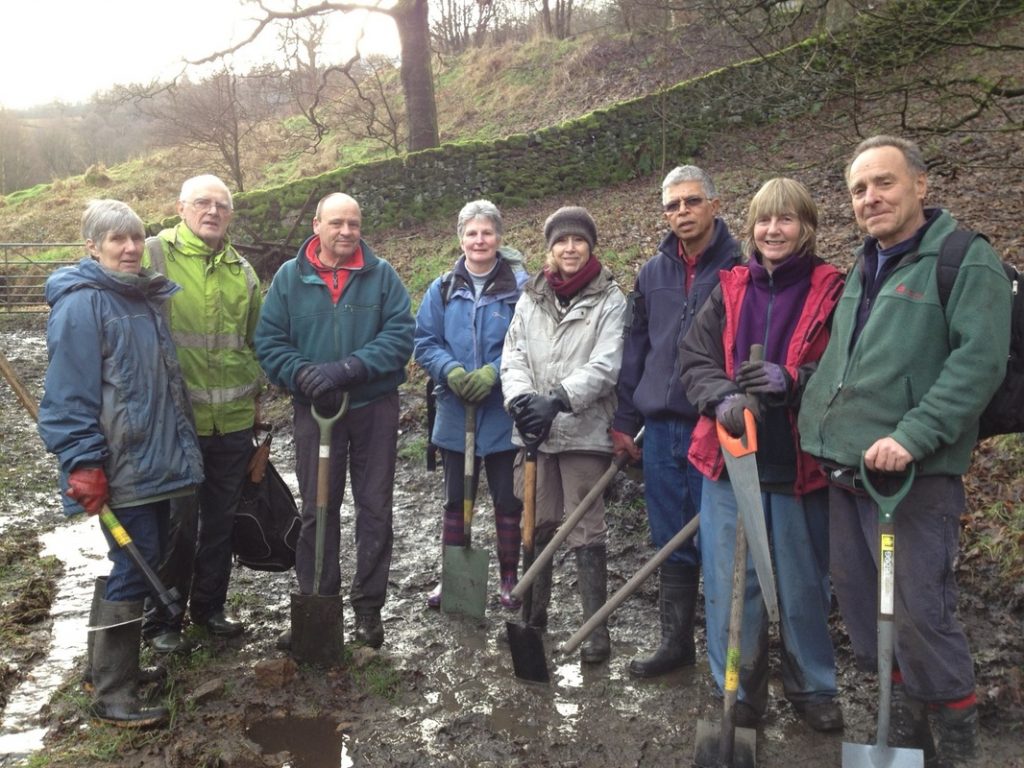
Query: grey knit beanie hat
[570,220]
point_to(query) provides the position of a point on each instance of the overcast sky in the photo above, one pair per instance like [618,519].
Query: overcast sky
[67,50]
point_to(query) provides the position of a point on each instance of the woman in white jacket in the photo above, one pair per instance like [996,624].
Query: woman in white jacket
[559,366]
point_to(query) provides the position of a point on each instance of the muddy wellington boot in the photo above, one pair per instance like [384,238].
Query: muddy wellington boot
[509,542]
[535,607]
[115,668]
[677,603]
[147,675]
[908,723]
[592,576]
[453,534]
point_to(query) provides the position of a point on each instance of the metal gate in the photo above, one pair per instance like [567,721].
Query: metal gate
[24,268]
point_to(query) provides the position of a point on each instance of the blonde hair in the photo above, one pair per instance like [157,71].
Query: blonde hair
[778,196]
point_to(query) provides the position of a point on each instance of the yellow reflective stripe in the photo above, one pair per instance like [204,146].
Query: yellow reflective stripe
[222,395]
[208,341]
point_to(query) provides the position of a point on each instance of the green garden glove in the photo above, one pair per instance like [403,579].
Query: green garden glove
[479,384]
[457,381]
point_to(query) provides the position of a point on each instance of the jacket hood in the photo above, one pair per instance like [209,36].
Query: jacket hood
[88,273]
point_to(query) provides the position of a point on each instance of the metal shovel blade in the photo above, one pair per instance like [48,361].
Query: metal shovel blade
[464,581]
[878,756]
[527,653]
[707,753]
[317,629]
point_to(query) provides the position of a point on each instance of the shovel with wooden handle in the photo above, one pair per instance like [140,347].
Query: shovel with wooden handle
[464,569]
[880,754]
[525,641]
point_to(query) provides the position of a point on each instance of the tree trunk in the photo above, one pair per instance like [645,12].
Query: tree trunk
[411,18]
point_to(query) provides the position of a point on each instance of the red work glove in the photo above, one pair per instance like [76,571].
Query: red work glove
[623,443]
[88,486]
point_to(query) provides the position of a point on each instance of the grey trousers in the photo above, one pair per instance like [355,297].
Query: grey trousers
[364,444]
[563,479]
[931,647]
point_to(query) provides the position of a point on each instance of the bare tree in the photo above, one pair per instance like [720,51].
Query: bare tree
[462,23]
[557,19]
[216,115]
[894,66]
[15,161]
[412,23]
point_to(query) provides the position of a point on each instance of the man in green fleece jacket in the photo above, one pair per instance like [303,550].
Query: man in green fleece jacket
[903,381]
[337,319]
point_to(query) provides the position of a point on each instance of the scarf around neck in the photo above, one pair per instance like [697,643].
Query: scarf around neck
[567,287]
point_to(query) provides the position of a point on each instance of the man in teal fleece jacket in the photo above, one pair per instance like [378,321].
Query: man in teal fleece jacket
[903,381]
[337,319]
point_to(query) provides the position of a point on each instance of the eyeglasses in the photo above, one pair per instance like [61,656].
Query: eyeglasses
[205,204]
[686,202]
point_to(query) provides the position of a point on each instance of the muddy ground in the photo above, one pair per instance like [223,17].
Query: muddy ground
[441,691]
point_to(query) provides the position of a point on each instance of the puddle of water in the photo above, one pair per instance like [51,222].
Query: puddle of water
[310,742]
[80,546]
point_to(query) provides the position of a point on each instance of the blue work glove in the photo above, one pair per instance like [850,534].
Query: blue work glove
[479,383]
[318,379]
[763,378]
[729,412]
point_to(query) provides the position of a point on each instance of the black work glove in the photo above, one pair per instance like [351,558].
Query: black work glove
[517,407]
[329,403]
[763,378]
[729,412]
[316,380]
[540,413]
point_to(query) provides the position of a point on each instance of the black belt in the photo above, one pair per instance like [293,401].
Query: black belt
[847,478]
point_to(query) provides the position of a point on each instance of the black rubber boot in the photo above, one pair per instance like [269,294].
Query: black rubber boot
[592,575]
[908,725]
[147,675]
[956,736]
[535,606]
[115,667]
[677,603]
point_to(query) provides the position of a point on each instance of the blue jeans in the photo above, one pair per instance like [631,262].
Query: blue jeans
[798,532]
[672,485]
[146,524]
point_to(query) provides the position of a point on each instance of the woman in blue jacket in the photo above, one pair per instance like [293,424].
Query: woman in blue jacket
[116,413]
[460,329]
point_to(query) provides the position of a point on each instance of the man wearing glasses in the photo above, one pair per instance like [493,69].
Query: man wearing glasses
[213,319]
[669,290]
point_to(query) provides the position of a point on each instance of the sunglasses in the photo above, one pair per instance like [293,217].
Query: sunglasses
[686,202]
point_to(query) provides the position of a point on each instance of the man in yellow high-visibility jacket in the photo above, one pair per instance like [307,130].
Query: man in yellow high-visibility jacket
[212,322]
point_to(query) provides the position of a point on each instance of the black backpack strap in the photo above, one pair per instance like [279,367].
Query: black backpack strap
[951,256]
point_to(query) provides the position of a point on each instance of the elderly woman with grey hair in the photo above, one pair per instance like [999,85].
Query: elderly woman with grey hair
[460,330]
[116,413]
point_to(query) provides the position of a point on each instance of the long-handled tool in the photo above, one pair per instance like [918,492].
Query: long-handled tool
[880,754]
[740,456]
[168,599]
[525,641]
[464,569]
[601,614]
[723,744]
[317,620]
